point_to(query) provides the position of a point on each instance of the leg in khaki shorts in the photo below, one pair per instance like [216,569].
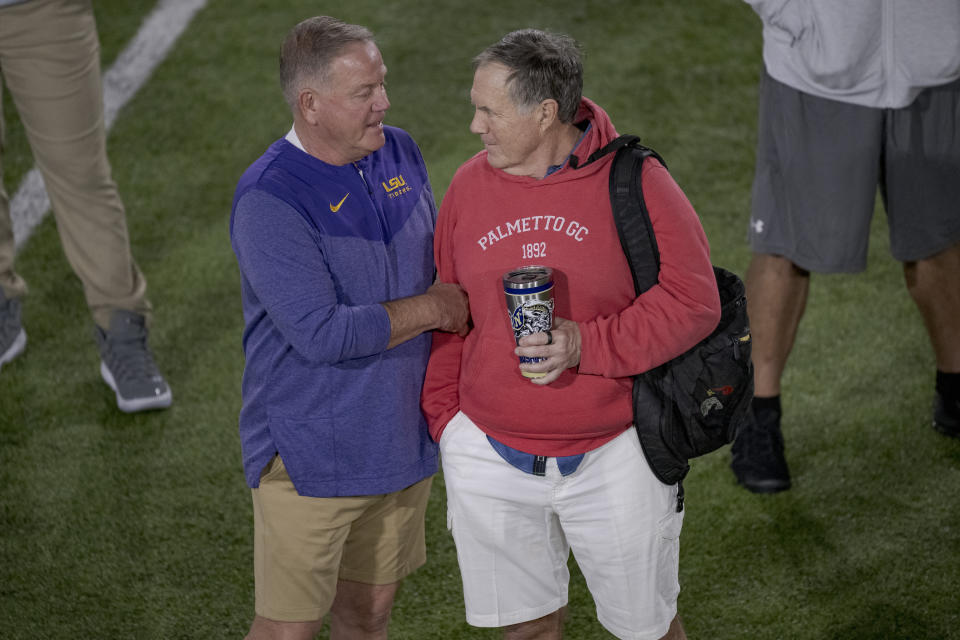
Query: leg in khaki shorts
[345,555]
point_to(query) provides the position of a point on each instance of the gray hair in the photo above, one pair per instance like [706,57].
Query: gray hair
[310,48]
[542,65]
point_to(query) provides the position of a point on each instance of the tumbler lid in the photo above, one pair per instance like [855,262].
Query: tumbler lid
[523,279]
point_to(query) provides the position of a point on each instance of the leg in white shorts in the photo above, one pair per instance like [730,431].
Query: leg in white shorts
[514,532]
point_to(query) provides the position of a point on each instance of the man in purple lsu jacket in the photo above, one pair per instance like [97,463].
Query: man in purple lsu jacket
[333,231]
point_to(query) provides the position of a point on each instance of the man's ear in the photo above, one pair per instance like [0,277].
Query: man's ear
[308,102]
[547,113]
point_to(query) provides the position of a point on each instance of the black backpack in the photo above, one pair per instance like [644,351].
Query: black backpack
[695,403]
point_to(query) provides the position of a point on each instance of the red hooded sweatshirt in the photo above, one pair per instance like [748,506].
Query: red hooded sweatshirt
[492,222]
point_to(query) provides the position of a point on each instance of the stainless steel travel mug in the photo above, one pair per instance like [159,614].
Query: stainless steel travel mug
[529,292]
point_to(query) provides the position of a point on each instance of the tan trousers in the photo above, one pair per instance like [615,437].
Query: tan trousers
[50,63]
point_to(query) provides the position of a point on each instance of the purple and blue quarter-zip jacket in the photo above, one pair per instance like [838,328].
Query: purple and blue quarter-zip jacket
[319,248]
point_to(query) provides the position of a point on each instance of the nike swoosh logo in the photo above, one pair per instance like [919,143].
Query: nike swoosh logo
[336,207]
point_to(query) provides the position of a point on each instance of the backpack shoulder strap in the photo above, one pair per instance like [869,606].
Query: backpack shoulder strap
[618,143]
[630,210]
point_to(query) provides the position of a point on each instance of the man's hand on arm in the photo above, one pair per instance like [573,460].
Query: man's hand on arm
[560,347]
[443,306]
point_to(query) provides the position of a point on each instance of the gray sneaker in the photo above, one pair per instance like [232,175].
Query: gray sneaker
[13,339]
[127,366]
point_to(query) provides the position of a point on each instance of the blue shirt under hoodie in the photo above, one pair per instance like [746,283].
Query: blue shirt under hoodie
[319,248]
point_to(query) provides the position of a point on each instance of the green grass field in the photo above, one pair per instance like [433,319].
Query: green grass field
[117,526]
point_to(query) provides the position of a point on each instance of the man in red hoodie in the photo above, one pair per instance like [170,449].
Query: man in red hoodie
[537,466]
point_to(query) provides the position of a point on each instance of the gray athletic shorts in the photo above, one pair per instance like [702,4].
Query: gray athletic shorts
[819,163]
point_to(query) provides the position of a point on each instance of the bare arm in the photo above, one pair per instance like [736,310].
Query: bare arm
[443,306]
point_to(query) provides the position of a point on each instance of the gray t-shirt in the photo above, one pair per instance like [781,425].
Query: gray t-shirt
[874,53]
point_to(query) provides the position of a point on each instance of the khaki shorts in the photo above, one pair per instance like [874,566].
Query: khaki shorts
[303,546]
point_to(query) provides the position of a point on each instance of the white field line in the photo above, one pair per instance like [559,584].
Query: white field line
[160,29]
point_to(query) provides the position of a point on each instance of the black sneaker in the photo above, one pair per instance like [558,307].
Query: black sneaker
[127,366]
[757,456]
[946,416]
[13,339]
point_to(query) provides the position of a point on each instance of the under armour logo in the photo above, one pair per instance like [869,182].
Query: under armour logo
[757,225]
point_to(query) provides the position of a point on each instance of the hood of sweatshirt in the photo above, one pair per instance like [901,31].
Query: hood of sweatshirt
[599,131]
